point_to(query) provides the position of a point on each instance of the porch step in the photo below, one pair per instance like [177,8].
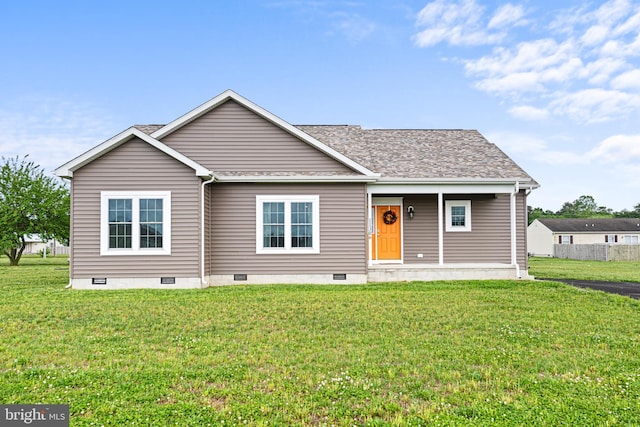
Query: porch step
[431,272]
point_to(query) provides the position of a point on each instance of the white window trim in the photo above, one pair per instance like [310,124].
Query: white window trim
[315,200]
[135,197]
[448,204]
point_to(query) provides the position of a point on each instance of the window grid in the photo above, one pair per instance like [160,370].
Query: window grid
[458,216]
[301,224]
[150,223]
[120,223]
[273,224]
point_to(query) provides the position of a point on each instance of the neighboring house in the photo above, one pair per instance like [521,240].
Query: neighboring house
[543,233]
[230,194]
[35,244]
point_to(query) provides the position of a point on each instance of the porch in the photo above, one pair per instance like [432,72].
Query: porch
[432,272]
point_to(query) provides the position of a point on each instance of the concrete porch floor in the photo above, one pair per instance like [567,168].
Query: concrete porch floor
[430,272]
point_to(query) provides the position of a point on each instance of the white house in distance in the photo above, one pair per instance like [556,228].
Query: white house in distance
[543,233]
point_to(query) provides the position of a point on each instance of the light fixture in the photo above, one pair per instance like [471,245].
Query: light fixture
[410,211]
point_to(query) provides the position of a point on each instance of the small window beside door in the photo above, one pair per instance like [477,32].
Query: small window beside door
[458,215]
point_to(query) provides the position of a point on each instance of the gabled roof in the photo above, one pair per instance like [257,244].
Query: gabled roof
[422,154]
[383,155]
[66,170]
[591,225]
[231,95]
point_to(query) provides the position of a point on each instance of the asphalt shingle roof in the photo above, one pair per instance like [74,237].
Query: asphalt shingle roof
[591,225]
[414,153]
[420,153]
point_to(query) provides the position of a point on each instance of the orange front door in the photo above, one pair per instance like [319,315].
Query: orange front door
[386,238]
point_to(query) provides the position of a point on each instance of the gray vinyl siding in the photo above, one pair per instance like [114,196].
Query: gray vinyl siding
[231,138]
[135,165]
[421,232]
[342,230]
[489,240]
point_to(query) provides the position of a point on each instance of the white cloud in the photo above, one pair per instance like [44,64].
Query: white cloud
[507,14]
[512,84]
[595,105]
[50,131]
[617,149]
[461,23]
[354,27]
[527,112]
[628,80]
[572,67]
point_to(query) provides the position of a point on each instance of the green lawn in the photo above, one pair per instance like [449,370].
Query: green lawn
[584,270]
[441,353]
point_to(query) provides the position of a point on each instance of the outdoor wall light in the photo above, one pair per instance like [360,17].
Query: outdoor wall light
[410,211]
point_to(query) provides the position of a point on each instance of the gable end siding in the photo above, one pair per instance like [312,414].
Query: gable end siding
[231,138]
[135,166]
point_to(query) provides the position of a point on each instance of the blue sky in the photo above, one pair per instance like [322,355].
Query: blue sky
[556,85]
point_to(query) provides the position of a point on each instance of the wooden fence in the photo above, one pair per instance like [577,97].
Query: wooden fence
[598,252]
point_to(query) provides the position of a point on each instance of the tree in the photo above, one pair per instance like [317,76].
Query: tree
[30,203]
[625,213]
[535,213]
[584,207]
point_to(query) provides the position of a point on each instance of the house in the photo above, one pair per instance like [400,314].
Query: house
[544,233]
[229,193]
[34,244]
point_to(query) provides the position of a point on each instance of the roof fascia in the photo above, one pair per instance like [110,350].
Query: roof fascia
[231,95]
[523,182]
[296,178]
[442,187]
[66,170]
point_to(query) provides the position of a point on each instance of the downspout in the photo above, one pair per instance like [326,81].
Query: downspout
[514,231]
[440,227]
[205,283]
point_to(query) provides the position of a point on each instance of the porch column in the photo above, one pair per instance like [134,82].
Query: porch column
[369,227]
[440,229]
[514,228]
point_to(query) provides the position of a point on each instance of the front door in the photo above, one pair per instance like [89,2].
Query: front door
[387,245]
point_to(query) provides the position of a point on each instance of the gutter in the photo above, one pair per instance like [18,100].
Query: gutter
[202,237]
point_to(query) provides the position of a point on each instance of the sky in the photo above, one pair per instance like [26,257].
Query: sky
[556,85]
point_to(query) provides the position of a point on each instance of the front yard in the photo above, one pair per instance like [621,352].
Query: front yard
[441,353]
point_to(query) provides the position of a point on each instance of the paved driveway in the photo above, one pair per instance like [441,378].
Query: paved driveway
[628,289]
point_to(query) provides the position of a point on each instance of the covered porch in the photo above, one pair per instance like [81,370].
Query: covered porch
[447,230]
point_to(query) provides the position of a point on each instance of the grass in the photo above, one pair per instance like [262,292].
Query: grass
[584,270]
[442,353]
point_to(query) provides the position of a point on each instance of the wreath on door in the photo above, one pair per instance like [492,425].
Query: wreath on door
[389,217]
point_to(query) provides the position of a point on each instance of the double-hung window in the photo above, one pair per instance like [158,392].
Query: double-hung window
[458,215]
[135,223]
[287,224]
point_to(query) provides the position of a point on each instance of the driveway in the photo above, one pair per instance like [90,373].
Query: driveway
[628,289]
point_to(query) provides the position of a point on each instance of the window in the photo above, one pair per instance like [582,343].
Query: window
[135,223]
[565,239]
[630,240]
[287,224]
[611,238]
[458,215]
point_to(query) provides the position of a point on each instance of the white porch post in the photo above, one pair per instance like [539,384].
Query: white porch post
[514,230]
[369,226]
[440,229]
